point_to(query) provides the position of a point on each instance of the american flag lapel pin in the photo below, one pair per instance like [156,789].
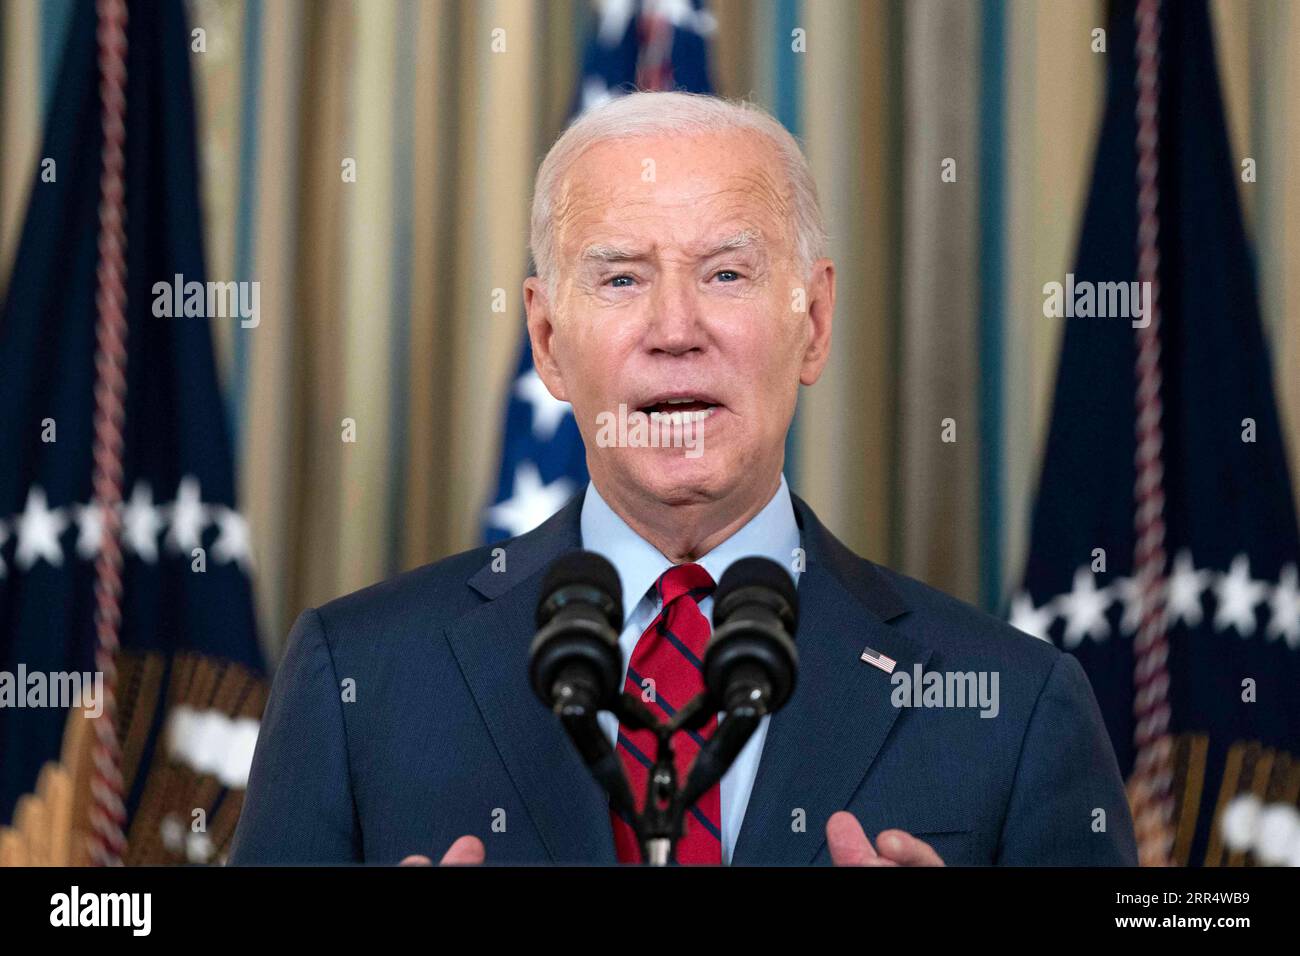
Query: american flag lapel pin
[877,659]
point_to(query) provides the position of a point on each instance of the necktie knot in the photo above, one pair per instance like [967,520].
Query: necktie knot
[684,579]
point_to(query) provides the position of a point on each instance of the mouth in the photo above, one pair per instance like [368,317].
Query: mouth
[676,409]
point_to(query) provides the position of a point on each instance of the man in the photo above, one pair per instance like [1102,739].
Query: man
[680,274]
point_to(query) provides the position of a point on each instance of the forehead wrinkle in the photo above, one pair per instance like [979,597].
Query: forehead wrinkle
[769,190]
[577,199]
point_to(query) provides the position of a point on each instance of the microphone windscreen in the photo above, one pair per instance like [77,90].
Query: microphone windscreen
[754,572]
[586,569]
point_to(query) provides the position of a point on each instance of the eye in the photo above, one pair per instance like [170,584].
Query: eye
[618,281]
[727,275]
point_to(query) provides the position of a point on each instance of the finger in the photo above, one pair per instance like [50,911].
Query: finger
[416,860]
[848,843]
[468,850]
[906,850]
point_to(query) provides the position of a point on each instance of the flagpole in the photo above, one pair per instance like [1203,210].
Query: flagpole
[1151,782]
[107,811]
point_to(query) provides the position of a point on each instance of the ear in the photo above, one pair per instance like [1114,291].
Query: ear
[821,314]
[541,333]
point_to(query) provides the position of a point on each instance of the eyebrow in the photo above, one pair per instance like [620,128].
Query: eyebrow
[745,239]
[606,252]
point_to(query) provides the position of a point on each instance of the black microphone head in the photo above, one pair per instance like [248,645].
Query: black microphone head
[750,573]
[585,576]
[574,660]
[755,612]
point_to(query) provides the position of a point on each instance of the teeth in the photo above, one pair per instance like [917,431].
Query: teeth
[679,418]
[679,401]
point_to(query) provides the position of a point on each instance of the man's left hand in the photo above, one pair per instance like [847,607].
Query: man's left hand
[850,847]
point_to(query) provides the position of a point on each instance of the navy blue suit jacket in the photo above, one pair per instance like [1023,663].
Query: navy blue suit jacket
[444,736]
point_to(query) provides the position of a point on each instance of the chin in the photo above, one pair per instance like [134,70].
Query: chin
[672,478]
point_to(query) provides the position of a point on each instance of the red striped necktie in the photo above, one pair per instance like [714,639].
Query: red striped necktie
[670,653]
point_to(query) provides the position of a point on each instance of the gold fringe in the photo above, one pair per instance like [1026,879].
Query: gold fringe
[51,824]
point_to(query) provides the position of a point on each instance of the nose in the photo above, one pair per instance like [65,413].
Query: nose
[676,321]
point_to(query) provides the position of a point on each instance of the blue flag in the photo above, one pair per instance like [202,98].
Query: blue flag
[191,684]
[542,458]
[1231,604]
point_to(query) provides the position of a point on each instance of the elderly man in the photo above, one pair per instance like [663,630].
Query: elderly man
[681,275]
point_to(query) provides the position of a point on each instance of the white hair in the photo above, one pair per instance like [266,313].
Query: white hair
[648,113]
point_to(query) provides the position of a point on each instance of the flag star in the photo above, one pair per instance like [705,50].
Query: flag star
[1127,591]
[39,528]
[594,93]
[1031,621]
[532,502]
[1185,587]
[615,15]
[189,516]
[548,411]
[1084,609]
[90,529]
[233,541]
[1284,602]
[141,523]
[676,12]
[1238,593]
[683,15]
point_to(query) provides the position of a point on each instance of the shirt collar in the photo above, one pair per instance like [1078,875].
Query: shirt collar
[772,533]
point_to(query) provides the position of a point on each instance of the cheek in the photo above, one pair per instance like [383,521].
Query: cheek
[772,359]
[591,361]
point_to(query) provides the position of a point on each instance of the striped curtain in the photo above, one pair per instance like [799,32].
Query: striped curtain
[370,162]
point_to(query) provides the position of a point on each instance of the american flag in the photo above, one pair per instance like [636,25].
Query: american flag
[1164,546]
[651,44]
[167,757]
[877,659]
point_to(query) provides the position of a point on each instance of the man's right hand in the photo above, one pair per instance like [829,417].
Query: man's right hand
[849,845]
[467,851]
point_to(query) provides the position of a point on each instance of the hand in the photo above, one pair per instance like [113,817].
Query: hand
[850,847]
[468,850]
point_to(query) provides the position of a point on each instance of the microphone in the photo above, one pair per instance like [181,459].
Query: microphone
[751,660]
[575,663]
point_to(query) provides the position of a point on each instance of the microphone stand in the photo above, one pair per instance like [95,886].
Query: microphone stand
[659,826]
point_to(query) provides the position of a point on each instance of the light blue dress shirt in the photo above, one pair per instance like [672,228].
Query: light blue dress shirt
[772,533]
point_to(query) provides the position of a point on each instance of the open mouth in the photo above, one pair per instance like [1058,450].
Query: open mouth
[679,409]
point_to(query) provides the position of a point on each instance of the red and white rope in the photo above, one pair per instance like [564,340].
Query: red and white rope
[108,811]
[654,68]
[1152,809]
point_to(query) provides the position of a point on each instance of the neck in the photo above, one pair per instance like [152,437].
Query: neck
[687,531]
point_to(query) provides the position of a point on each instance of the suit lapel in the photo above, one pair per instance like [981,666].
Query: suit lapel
[568,808]
[820,746]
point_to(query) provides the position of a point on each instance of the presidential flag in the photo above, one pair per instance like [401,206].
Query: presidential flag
[1164,545]
[129,666]
[637,44]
